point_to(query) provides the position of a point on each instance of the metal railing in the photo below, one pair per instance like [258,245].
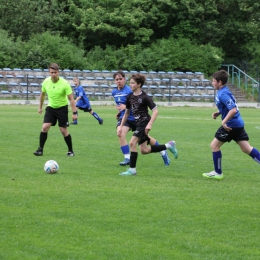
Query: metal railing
[240,78]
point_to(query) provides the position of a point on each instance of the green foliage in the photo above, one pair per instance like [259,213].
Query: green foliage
[166,54]
[133,26]
[88,211]
[44,48]
[10,50]
[24,17]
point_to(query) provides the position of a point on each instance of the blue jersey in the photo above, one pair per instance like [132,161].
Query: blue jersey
[83,102]
[225,101]
[120,98]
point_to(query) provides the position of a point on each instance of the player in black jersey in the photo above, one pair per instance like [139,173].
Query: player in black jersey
[139,102]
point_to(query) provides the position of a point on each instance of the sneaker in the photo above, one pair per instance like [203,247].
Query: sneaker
[73,123]
[173,149]
[70,153]
[125,162]
[38,152]
[128,172]
[166,159]
[213,175]
[101,121]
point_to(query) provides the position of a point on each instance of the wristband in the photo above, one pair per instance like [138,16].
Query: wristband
[74,113]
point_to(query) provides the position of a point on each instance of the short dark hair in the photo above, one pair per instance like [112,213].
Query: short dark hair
[120,73]
[139,78]
[221,75]
[54,66]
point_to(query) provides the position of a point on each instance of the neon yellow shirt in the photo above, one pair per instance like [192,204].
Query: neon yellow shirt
[57,92]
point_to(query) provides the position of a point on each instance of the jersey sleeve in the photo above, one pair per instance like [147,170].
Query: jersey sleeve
[228,101]
[150,102]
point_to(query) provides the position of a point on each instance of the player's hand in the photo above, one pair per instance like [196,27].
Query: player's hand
[40,110]
[74,117]
[215,115]
[147,129]
[227,128]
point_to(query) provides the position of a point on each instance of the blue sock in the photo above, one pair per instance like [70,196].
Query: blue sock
[96,116]
[255,155]
[162,153]
[217,157]
[125,149]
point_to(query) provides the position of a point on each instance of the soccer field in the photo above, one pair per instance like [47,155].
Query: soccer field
[88,211]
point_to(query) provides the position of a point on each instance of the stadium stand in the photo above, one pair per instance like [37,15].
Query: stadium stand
[161,85]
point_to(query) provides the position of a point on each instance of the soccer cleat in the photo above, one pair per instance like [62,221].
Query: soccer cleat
[101,121]
[73,123]
[127,173]
[173,149]
[125,162]
[213,175]
[70,153]
[38,152]
[166,159]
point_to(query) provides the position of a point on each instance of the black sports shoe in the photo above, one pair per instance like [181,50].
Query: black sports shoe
[38,152]
[70,153]
[101,121]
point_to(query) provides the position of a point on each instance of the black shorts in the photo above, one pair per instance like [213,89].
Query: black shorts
[86,109]
[128,123]
[140,133]
[52,115]
[236,134]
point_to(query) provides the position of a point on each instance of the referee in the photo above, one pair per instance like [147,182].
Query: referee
[58,91]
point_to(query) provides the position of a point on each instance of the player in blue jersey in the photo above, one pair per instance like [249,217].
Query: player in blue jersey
[82,102]
[120,93]
[138,102]
[232,125]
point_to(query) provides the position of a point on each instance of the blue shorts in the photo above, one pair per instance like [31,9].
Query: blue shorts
[128,123]
[236,134]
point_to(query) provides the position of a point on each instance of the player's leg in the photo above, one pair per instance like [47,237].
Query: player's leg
[217,160]
[248,149]
[133,157]
[163,153]
[48,121]
[95,115]
[124,146]
[62,115]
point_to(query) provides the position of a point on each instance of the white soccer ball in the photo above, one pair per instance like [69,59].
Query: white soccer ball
[51,166]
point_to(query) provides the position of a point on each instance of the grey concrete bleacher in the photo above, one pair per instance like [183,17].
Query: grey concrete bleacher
[163,85]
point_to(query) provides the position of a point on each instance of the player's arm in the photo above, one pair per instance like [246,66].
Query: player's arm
[77,99]
[42,98]
[229,115]
[153,118]
[73,106]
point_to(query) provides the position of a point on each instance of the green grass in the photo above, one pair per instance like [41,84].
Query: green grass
[88,211]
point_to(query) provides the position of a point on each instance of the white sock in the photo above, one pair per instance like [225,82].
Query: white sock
[133,170]
[162,153]
[167,145]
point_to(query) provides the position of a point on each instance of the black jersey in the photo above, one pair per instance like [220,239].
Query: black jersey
[139,106]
